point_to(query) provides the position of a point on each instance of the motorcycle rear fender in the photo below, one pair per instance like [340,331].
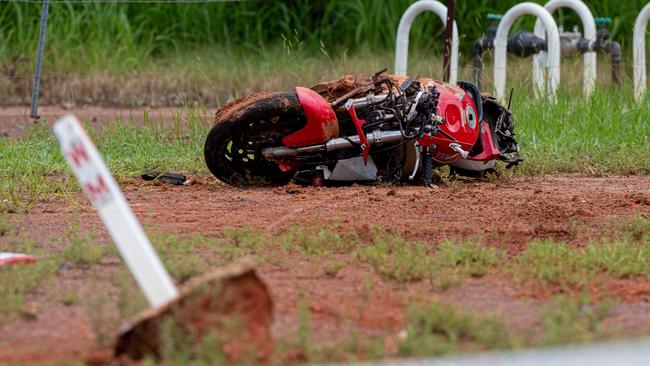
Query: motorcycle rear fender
[321,125]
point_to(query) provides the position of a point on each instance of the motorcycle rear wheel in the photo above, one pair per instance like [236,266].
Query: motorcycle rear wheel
[233,148]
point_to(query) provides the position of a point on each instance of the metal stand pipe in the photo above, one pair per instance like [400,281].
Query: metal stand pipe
[501,46]
[589,29]
[404,29]
[639,65]
[39,61]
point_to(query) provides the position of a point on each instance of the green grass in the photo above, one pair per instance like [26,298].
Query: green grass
[445,264]
[18,282]
[35,169]
[181,255]
[547,262]
[435,329]
[84,248]
[607,134]
[432,328]
[125,35]
[570,320]
[166,54]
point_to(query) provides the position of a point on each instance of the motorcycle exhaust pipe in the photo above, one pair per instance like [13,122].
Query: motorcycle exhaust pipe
[374,138]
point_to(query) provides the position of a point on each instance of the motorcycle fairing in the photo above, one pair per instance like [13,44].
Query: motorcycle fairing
[490,151]
[321,125]
[460,115]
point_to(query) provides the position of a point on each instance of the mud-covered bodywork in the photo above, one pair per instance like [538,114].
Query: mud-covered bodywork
[383,127]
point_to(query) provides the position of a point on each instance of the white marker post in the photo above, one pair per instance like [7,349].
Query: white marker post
[104,193]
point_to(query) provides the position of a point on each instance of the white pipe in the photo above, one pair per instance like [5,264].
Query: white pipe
[589,29]
[501,47]
[404,29]
[638,46]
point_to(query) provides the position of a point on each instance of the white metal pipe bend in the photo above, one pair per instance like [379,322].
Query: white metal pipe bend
[638,46]
[501,47]
[589,30]
[404,29]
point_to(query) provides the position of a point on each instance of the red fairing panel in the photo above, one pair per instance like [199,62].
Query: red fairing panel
[321,121]
[461,122]
[490,152]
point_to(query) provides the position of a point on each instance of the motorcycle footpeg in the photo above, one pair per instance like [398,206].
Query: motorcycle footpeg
[457,148]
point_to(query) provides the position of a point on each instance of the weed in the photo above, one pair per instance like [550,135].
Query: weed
[468,258]
[18,281]
[396,258]
[551,263]
[83,249]
[178,348]
[436,329]
[320,240]
[570,320]
[637,228]
[69,298]
[354,346]
[399,259]
[180,255]
[332,268]
[130,299]
[6,225]
[244,241]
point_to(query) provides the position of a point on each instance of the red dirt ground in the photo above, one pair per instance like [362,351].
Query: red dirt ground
[505,214]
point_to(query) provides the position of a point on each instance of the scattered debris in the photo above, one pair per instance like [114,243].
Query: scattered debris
[7,258]
[210,303]
[293,189]
[167,177]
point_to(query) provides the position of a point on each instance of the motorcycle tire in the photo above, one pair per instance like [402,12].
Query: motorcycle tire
[233,147]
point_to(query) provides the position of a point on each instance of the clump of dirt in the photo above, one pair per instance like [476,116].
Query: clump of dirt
[232,303]
[334,89]
[225,113]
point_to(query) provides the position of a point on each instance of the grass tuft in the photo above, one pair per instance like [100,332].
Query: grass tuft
[570,320]
[84,248]
[436,329]
[551,263]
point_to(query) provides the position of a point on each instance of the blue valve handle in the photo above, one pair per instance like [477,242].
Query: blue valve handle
[494,16]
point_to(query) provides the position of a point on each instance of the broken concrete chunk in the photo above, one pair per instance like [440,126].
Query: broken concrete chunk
[230,309]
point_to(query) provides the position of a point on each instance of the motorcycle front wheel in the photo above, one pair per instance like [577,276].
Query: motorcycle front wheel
[242,129]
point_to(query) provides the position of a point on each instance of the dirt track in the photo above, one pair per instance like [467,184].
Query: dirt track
[506,214]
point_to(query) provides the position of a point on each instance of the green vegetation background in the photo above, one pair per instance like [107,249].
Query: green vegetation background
[130,32]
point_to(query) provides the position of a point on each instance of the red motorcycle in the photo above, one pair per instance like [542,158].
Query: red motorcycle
[383,128]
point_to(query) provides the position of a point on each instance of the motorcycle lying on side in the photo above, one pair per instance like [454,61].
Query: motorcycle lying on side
[355,129]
